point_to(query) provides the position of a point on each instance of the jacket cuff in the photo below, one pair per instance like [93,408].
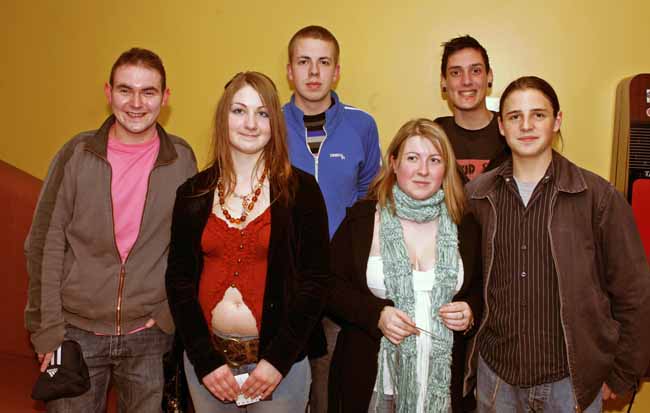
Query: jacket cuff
[281,359]
[618,384]
[48,339]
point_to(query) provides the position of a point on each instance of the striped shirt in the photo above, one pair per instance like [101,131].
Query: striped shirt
[523,339]
[315,125]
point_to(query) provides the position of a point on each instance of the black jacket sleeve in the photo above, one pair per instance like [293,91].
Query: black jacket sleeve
[309,275]
[349,299]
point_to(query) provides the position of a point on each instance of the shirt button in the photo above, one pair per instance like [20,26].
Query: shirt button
[524,247]
[236,273]
[241,246]
[232,285]
[238,260]
[241,233]
[523,274]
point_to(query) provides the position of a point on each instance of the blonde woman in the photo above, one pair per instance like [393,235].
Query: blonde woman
[407,283]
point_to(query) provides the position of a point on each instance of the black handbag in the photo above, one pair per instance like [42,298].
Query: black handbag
[66,375]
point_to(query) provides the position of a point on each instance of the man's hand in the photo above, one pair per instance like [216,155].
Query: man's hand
[45,359]
[222,383]
[262,381]
[396,325]
[608,393]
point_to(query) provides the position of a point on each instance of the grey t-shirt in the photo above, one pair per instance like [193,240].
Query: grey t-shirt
[525,190]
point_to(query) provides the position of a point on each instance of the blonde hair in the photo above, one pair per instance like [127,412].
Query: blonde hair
[381,188]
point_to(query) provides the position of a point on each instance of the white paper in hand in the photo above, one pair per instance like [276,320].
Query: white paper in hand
[241,399]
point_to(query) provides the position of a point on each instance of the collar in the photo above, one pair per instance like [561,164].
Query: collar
[506,173]
[332,114]
[99,142]
[567,177]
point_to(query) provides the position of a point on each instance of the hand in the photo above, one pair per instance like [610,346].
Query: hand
[608,393]
[262,381]
[396,325]
[150,323]
[222,383]
[45,359]
[457,315]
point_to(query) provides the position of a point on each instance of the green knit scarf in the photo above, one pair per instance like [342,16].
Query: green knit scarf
[398,278]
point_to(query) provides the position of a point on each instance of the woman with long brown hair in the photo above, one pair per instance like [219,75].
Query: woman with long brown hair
[248,262]
[407,270]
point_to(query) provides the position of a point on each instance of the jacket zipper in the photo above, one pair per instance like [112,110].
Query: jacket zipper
[485,287]
[122,275]
[316,157]
[559,287]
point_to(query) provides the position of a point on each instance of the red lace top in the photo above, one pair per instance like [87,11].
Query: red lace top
[234,257]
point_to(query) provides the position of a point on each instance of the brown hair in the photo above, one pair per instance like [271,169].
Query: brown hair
[318,33]
[140,57]
[457,44]
[275,155]
[534,83]
[381,188]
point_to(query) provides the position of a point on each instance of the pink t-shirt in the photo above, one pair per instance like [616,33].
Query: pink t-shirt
[131,165]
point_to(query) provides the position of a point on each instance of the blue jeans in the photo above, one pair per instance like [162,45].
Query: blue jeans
[134,364]
[496,396]
[289,397]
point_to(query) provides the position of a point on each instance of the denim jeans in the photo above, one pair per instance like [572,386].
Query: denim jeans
[496,396]
[134,364]
[289,397]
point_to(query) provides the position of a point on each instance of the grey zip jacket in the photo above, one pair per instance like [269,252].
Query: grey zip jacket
[76,275]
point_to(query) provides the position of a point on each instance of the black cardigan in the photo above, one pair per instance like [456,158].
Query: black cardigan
[354,363]
[296,281]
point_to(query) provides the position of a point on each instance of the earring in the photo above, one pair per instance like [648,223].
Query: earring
[489,84]
[444,88]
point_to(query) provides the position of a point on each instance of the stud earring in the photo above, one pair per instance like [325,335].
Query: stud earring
[444,88]
[489,84]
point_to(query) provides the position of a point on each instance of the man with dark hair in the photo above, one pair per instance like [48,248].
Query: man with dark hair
[337,143]
[465,77]
[566,281]
[97,249]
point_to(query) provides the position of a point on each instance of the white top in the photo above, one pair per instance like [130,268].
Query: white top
[423,282]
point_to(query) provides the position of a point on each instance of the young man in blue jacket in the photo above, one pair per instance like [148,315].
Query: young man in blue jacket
[337,143]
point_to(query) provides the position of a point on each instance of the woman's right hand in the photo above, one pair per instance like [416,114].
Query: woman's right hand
[396,325]
[222,383]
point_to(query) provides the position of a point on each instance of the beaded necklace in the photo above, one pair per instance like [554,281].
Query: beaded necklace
[248,201]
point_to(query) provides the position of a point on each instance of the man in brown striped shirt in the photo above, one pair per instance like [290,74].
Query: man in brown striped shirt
[566,278]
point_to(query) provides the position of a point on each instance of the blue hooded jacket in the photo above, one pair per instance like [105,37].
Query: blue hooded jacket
[348,160]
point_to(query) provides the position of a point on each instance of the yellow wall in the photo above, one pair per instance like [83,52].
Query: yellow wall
[56,56]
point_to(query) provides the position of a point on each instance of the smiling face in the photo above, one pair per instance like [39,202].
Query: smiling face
[419,169]
[466,80]
[248,122]
[135,99]
[528,123]
[313,70]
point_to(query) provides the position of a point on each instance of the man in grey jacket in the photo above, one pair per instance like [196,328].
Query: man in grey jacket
[97,249]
